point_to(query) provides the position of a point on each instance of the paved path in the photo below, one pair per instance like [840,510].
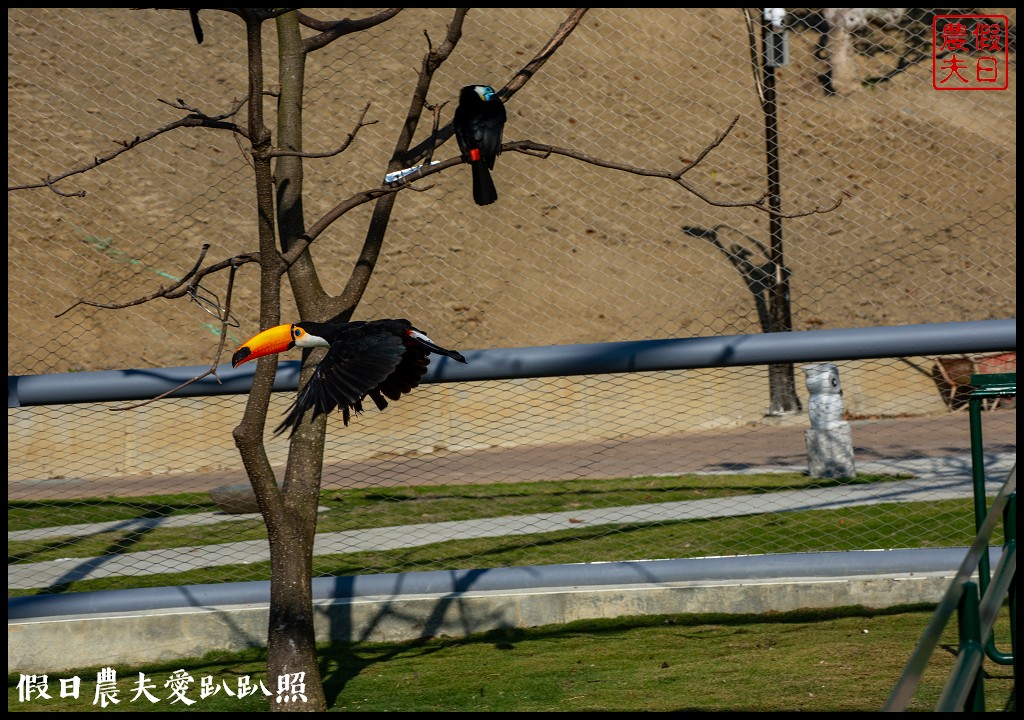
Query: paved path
[935,478]
[889,440]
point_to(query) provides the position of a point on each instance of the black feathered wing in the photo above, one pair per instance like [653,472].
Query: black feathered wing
[356,364]
[479,125]
[382,359]
[488,130]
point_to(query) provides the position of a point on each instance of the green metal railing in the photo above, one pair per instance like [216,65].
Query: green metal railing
[977,603]
[986,388]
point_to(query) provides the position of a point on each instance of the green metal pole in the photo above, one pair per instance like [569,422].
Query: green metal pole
[970,642]
[986,387]
[1010,531]
[978,477]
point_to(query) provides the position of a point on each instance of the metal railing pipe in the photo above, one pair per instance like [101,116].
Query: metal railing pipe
[552,361]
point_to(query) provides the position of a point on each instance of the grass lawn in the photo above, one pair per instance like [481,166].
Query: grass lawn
[944,523]
[845,659]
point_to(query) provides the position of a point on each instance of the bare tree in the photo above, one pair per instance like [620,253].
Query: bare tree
[289,509]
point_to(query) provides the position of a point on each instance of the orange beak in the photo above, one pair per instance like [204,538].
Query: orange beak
[275,340]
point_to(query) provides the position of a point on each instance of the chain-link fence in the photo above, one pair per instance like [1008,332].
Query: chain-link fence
[571,253]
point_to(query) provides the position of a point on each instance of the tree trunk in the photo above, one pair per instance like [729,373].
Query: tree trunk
[291,634]
[291,639]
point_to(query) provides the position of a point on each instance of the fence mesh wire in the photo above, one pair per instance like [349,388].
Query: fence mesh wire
[571,253]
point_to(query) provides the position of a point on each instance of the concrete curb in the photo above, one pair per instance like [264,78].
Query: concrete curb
[125,640]
[131,627]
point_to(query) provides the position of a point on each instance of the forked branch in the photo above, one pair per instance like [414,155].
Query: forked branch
[195,118]
[187,285]
[224,315]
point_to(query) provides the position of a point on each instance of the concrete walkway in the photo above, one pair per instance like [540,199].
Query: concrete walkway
[934,478]
[775,444]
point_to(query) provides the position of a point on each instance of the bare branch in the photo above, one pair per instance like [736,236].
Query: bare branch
[535,149]
[360,123]
[354,201]
[159,293]
[528,147]
[341,306]
[212,370]
[225,321]
[755,64]
[49,184]
[436,109]
[231,262]
[185,286]
[714,143]
[334,29]
[544,54]
[194,119]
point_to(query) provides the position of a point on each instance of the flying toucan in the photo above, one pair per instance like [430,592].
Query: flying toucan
[380,358]
[478,124]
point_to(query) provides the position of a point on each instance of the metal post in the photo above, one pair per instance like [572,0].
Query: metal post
[781,381]
[970,644]
[989,386]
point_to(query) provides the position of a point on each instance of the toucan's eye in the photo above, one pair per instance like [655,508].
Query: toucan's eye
[297,332]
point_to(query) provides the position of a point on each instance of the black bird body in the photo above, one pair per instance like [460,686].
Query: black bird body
[382,359]
[479,122]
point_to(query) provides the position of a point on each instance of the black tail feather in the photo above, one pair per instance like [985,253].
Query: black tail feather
[484,192]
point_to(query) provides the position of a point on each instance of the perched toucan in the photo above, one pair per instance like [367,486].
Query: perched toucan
[379,358]
[479,121]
